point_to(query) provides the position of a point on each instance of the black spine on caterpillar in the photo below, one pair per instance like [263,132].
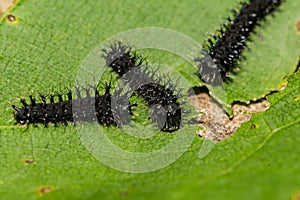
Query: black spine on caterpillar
[164,103]
[224,50]
[97,108]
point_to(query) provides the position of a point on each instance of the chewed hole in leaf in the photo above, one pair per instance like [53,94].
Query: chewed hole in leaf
[216,122]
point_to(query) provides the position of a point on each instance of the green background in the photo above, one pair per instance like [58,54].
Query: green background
[43,50]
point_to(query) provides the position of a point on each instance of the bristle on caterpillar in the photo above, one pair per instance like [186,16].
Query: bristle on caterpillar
[159,94]
[92,108]
[224,49]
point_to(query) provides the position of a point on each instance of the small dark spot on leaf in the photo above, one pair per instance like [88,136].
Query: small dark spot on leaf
[11,18]
[253,126]
[28,161]
[296,98]
[44,190]
[124,193]
[297,26]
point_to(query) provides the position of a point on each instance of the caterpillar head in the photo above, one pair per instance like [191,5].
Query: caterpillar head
[22,115]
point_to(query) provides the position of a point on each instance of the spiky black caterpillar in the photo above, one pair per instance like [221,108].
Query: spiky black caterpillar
[224,50]
[164,103]
[91,109]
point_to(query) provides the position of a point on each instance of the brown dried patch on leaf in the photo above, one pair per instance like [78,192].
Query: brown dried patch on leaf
[216,123]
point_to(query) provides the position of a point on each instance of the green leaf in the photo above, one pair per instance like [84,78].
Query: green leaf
[273,55]
[259,162]
[43,50]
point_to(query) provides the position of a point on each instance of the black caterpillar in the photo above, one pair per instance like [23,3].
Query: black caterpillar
[96,108]
[134,71]
[224,50]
